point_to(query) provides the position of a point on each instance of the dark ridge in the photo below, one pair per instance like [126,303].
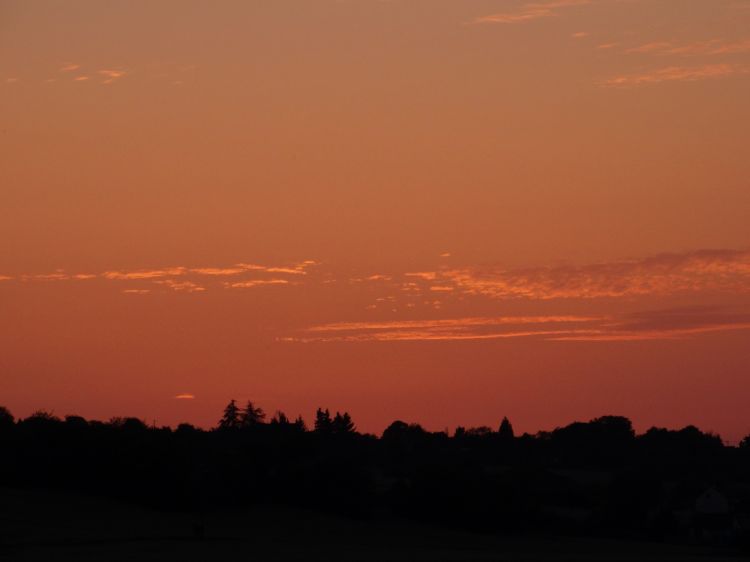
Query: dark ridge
[592,479]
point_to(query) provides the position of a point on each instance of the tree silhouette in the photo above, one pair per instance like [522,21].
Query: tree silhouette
[6,418]
[342,423]
[323,421]
[505,433]
[467,481]
[481,431]
[300,425]
[280,419]
[251,416]
[231,417]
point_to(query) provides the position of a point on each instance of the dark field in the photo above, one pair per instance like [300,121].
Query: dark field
[36,525]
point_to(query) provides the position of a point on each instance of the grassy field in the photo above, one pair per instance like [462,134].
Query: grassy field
[44,526]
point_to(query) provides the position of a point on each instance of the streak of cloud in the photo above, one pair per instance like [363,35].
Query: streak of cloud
[670,324]
[256,283]
[530,11]
[698,48]
[145,274]
[701,271]
[473,328]
[111,75]
[450,323]
[182,286]
[649,325]
[676,74]
[218,271]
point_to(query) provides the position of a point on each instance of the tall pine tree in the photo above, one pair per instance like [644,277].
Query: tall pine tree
[231,417]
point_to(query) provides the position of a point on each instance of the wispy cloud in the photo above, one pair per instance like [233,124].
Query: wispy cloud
[707,270]
[182,286]
[653,47]
[677,323]
[185,397]
[709,47]
[426,275]
[57,276]
[531,11]
[676,74]
[449,323]
[218,271]
[296,269]
[474,328]
[69,67]
[145,273]
[110,75]
[726,271]
[256,283]
[185,279]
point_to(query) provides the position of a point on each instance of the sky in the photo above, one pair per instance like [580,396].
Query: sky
[440,211]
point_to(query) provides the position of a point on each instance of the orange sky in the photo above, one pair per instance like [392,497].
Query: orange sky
[444,211]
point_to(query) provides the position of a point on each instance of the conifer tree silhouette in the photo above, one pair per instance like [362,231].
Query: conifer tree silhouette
[323,421]
[342,423]
[231,417]
[251,416]
[506,430]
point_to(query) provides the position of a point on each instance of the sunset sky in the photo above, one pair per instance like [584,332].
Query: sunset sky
[441,211]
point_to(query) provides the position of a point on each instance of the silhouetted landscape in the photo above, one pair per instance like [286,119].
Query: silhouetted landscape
[75,489]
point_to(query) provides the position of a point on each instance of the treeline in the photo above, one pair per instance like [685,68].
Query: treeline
[596,477]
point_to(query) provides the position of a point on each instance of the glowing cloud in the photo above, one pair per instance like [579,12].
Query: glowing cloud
[185,397]
[111,75]
[710,47]
[649,325]
[145,274]
[708,270]
[218,272]
[531,11]
[256,283]
[676,74]
[57,276]
[184,286]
